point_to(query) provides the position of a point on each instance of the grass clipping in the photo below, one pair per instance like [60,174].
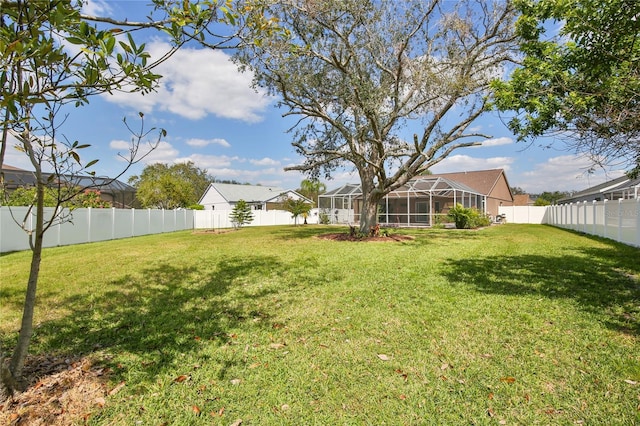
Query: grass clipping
[63,392]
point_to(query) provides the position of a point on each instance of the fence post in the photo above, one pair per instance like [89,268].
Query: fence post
[595,218]
[619,219]
[133,222]
[113,223]
[58,228]
[605,217]
[88,211]
[638,222]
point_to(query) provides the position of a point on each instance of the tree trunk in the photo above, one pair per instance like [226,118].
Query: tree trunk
[12,377]
[369,214]
[371,196]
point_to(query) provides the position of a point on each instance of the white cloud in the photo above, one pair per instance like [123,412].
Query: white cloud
[200,143]
[265,162]
[119,144]
[96,8]
[14,157]
[460,163]
[196,83]
[496,142]
[164,153]
[562,173]
[209,161]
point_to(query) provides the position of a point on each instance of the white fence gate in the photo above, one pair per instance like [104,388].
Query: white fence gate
[90,225]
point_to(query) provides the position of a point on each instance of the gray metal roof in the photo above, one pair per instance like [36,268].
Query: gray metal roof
[249,193]
[611,190]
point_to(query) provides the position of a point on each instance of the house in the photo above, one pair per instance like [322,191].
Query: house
[523,200]
[119,194]
[224,196]
[620,188]
[421,200]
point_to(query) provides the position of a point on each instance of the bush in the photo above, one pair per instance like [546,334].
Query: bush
[324,219]
[468,217]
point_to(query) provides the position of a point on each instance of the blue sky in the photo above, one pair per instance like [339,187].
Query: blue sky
[215,119]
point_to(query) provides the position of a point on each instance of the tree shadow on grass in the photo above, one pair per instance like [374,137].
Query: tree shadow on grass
[305,231]
[166,310]
[605,281]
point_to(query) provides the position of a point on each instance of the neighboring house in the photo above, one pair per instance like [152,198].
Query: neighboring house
[118,193]
[424,197]
[522,200]
[620,188]
[224,196]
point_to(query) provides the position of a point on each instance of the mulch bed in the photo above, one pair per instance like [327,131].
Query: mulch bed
[343,236]
[62,392]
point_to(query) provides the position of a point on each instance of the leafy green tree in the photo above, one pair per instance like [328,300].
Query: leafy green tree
[581,83]
[24,196]
[312,189]
[90,198]
[170,186]
[241,214]
[516,190]
[297,207]
[358,72]
[548,198]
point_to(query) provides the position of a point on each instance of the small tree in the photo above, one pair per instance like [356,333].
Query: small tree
[296,208]
[241,214]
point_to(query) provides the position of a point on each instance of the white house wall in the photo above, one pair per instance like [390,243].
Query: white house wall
[213,200]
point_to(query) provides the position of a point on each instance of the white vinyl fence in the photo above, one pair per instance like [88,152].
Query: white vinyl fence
[217,219]
[617,220]
[90,225]
[524,214]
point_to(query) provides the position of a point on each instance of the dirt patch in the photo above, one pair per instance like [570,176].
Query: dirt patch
[62,392]
[213,231]
[342,236]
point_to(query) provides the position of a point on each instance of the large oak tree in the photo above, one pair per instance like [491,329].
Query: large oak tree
[357,73]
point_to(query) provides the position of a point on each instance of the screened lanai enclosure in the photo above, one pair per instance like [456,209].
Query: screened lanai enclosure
[423,201]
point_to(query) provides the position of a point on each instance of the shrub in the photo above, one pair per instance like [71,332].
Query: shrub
[324,219]
[468,217]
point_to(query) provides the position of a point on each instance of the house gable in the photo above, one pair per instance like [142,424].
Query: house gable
[224,196]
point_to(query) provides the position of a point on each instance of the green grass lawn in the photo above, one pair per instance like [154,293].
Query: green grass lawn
[514,324]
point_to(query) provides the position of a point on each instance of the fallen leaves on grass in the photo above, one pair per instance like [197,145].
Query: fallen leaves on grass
[181,378]
[277,345]
[508,379]
[383,357]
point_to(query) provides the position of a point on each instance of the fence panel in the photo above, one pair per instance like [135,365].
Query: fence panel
[219,219]
[89,225]
[525,214]
[617,220]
